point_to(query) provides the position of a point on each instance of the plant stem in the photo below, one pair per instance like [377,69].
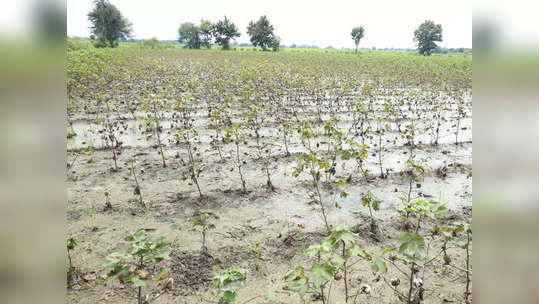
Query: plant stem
[317,188]
[411,284]
[380,149]
[345,272]
[322,295]
[204,248]
[244,188]
[136,183]
[418,224]
[467,266]
[410,182]
[285,135]
[158,134]
[69,258]
[140,287]
[192,165]
[218,144]
[114,158]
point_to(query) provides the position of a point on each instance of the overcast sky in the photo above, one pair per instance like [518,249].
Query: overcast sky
[387,23]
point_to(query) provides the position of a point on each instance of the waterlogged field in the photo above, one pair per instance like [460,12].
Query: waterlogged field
[290,177]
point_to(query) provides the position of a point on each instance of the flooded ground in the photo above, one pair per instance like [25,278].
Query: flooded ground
[278,224]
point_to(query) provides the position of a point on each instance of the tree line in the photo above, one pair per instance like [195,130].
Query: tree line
[109,26]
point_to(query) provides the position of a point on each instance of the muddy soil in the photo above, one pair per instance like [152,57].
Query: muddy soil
[280,223]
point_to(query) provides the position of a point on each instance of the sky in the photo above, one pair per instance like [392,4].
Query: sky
[387,23]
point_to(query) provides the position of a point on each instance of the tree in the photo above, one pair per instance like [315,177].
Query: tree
[152,43]
[188,33]
[108,24]
[205,33]
[223,31]
[275,43]
[261,33]
[425,35]
[357,34]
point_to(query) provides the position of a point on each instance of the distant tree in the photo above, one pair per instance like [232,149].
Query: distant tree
[275,43]
[223,31]
[205,33]
[261,33]
[425,36]
[357,35]
[108,24]
[188,34]
[152,43]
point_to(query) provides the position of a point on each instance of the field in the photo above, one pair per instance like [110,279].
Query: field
[250,159]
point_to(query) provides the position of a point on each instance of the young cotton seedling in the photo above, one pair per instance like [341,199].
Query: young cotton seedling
[264,149]
[110,135]
[71,244]
[217,123]
[360,119]
[188,134]
[438,113]
[373,203]
[156,105]
[137,190]
[337,139]
[381,128]
[236,134]
[228,283]
[461,113]
[412,250]
[465,244]
[202,222]
[136,265]
[313,164]
[330,262]
[108,204]
[359,153]
[415,172]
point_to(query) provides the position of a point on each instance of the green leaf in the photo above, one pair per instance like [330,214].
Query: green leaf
[324,165]
[378,265]
[138,282]
[336,260]
[71,243]
[327,246]
[376,205]
[412,259]
[463,244]
[322,273]
[271,296]
[228,277]
[364,254]
[230,296]
[342,235]
[387,250]
[314,250]
[296,281]
[353,251]
[411,243]
[162,275]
